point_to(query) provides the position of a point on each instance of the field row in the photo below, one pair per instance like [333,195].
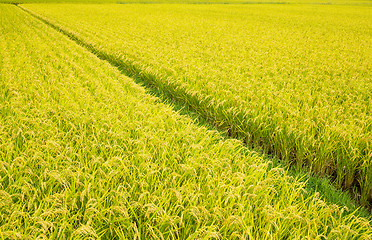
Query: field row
[86,153]
[295,80]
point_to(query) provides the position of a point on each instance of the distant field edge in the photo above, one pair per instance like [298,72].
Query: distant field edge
[254,2]
[144,2]
[352,3]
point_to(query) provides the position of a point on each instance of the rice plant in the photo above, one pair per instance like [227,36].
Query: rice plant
[294,80]
[85,153]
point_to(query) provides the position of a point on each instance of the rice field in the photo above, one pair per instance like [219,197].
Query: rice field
[294,80]
[336,2]
[87,153]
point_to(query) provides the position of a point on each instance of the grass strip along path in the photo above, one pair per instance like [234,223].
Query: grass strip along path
[86,153]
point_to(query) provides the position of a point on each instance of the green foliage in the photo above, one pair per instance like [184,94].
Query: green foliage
[294,79]
[85,153]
